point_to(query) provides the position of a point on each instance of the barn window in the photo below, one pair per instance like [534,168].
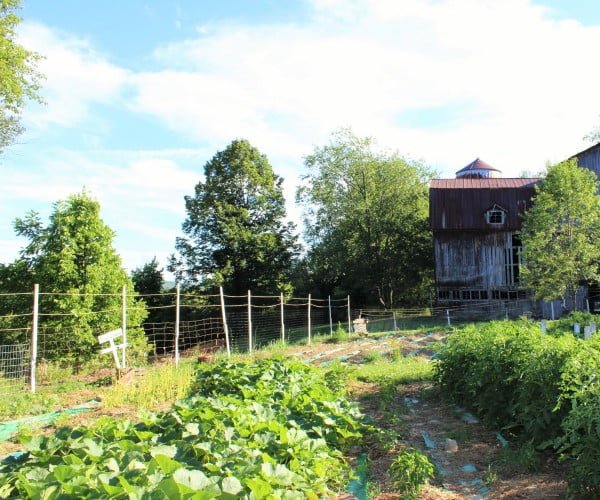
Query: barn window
[513,261]
[495,215]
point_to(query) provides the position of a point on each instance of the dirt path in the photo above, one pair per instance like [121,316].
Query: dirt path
[472,461]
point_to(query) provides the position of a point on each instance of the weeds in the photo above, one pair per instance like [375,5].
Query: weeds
[409,471]
[401,371]
[160,385]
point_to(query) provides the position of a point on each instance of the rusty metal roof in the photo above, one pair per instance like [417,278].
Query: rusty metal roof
[460,204]
[493,183]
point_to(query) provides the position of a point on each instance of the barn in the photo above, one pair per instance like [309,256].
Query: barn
[475,219]
[590,159]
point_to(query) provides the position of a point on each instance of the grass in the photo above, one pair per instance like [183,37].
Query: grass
[163,384]
[515,460]
[400,371]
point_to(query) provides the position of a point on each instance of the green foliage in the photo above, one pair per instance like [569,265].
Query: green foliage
[372,356]
[366,217]
[225,441]
[148,281]
[566,324]
[161,384]
[19,79]
[236,236]
[509,372]
[561,231]
[515,460]
[80,277]
[409,471]
[545,387]
[398,371]
[581,428]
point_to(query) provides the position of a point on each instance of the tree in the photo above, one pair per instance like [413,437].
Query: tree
[19,79]
[593,135]
[366,217]
[81,277]
[148,281]
[561,232]
[236,234]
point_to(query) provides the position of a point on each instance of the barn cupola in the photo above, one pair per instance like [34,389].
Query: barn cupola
[478,170]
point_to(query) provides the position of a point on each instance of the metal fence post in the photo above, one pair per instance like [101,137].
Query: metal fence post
[330,319]
[177,312]
[224,315]
[395,325]
[249,322]
[282,319]
[448,316]
[124,326]
[309,332]
[349,317]
[34,335]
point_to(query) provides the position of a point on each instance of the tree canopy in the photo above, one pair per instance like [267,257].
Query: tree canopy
[561,232]
[80,275]
[366,218]
[235,231]
[19,79]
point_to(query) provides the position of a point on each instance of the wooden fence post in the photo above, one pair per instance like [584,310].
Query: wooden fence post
[34,335]
[124,326]
[349,317]
[177,312]
[224,316]
[330,318]
[309,326]
[282,319]
[249,322]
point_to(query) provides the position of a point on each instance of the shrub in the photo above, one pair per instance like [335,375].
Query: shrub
[544,387]
[581,427]
[509,372]
[409,471]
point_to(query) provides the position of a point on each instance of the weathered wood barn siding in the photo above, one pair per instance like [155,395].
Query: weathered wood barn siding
[476,260]
[471,260]
[590,159]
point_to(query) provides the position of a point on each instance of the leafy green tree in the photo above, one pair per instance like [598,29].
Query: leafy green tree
[149,282]
[236,236]
[81,277]
[561,232]
[366,218]
[148,279]
[593,135]
[19,79]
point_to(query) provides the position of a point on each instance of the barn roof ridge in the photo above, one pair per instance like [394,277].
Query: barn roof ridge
[485,183]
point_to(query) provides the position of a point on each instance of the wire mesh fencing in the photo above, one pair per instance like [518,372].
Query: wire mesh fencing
[47,337]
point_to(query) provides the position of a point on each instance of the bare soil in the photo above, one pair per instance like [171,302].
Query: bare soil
[479,468]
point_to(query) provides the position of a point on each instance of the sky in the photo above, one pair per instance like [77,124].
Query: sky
[140,94]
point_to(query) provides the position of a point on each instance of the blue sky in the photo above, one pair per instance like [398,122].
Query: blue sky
[140,94]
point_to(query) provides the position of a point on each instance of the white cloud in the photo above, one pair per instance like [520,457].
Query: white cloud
[527,80]
[141,198]
[444,80]
[76,76]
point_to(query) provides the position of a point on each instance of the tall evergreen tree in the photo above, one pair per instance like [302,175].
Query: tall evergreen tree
[81,277]
[236,236]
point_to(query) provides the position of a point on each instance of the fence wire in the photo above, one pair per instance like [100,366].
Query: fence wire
[187,324]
